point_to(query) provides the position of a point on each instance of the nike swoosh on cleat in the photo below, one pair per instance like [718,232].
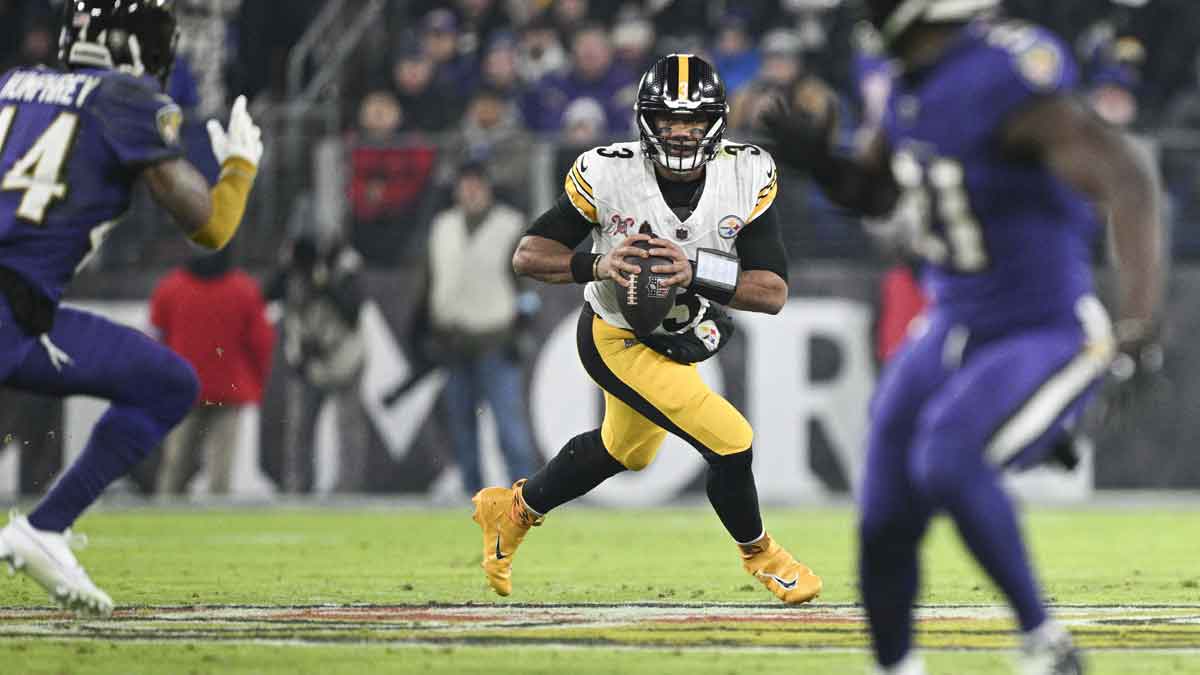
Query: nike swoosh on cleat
[500,555]
[787,585]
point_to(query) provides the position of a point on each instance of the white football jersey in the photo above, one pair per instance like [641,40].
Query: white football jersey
[615,188]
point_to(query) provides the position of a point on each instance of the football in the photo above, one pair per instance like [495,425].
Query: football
[647,300]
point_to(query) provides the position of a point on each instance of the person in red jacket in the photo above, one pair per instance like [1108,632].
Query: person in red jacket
[213,315]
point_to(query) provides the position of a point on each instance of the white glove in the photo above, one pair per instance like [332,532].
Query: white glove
[244,138]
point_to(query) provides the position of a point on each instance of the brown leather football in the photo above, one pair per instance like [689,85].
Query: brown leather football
[648,300]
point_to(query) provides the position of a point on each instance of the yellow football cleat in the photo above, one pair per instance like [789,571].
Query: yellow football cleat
[504,519]
[789,579]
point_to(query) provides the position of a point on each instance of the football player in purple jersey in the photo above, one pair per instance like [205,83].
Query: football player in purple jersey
[1003,178]
[73,144]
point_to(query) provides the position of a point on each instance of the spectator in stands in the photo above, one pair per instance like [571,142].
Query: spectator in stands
[585,126]
[594,75]
[491,131]
[439,41]
[479,21]
[212,314]
[38,46]
[780,69]
[541,51]
[570,16]
[473,307]
[1113,71]
[633,42]
[15,19]
[499,71]
[424,104]
[379,118]
[826,34]
[387,180]
[320,286]
[736,57]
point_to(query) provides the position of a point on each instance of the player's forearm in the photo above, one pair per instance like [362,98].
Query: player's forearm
[543,259]
[229,197]
[182,191]
[1136,235]
[760,291]
[208,217]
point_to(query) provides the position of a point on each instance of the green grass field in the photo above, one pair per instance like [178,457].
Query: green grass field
[372,590]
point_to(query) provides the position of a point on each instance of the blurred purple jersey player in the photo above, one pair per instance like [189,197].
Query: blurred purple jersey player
[73,143]
[999,173]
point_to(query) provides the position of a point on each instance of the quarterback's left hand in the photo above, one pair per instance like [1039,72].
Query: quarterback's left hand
[243,138]
[680,268]
[695,343]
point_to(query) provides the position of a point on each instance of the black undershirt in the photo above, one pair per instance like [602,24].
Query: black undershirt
[759,244]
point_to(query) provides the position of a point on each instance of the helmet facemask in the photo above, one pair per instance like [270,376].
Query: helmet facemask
[673,152]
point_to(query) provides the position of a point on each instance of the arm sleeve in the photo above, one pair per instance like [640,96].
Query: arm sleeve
[760,246]
[562,223]
[141,126]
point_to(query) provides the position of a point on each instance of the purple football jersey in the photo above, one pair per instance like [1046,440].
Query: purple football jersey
[73,144]
[1005,241]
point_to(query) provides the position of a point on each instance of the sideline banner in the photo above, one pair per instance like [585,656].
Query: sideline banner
[803,378]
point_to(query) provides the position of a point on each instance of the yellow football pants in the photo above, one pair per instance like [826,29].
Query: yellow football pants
[647,394]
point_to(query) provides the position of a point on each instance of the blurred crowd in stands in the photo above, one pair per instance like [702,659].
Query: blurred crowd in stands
[433,84]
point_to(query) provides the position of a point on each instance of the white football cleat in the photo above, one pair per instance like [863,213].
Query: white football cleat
[47,558]
[1049,650]
[911,664]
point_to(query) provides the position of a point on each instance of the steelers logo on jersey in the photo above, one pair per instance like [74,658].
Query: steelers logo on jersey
[729,227]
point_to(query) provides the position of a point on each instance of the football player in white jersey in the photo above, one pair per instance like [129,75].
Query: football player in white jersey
[703,203]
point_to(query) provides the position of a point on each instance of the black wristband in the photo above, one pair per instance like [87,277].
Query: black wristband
[582,266]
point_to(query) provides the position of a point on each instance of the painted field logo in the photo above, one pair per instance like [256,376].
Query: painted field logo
[640,625]
[729,227]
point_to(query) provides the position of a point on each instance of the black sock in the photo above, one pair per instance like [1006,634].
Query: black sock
[580,466]
[733,496]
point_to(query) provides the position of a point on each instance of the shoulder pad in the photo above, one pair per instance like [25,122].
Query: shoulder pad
[585,173]
[140,122]
[1034,55]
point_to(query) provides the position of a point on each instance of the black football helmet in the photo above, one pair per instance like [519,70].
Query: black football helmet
[892,17]
[681,84]
[135,36]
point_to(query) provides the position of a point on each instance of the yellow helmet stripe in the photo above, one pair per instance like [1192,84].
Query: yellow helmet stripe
[684,76]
